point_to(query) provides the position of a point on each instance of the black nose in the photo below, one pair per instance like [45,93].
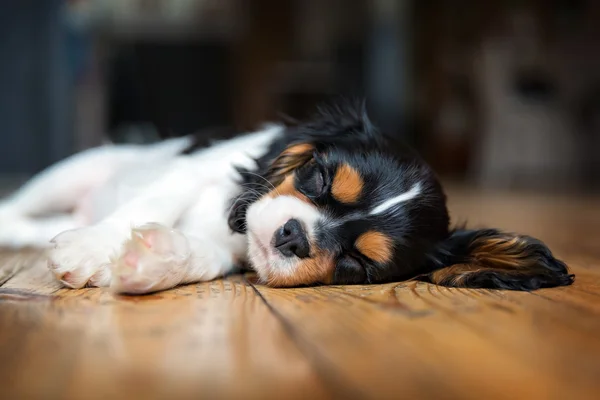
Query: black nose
[291,240]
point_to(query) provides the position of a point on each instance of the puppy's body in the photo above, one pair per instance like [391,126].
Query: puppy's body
[325,202]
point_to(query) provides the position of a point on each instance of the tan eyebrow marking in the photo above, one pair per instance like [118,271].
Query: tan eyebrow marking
[375,245]
[347,184]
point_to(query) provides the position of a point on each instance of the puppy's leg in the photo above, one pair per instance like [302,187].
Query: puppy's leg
[83,256]
[34,232]
[58,188]
[158,258]
[201,249]
[66,187]
[44,206]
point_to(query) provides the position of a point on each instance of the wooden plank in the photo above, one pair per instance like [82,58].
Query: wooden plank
[213,340]
[427,341]
[15,262]
[400,340]
[584,293]
[30,272]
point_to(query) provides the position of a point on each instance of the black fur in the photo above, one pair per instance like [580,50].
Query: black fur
[533,264]
[423,244]
[344,124]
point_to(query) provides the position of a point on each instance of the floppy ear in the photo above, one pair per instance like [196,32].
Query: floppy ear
[293,157]
[496,260]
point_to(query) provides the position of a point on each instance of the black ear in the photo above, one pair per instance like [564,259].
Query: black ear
[496,260]
[237,212]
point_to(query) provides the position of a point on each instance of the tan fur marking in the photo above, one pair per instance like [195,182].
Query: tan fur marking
[502,253]
[347,184]
[454,275]
[375,245]
[506,254]
[457,275]
[291,158]
[316,269]
[301,148]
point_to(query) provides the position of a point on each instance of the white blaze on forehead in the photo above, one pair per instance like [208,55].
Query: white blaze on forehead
[401,198]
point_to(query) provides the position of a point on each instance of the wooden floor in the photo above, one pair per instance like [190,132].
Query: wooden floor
[233,338]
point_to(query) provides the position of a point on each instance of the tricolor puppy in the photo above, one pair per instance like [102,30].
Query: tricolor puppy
[329,201]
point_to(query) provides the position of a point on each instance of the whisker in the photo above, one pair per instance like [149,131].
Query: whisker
[256,190]
[242,202]
[258,176]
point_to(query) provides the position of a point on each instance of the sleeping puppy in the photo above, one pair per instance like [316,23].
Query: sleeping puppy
[329,201]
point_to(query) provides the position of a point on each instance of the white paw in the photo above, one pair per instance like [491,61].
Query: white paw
[154,258]
[81,257]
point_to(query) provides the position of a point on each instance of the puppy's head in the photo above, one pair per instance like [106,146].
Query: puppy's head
[342,210]
[340,207]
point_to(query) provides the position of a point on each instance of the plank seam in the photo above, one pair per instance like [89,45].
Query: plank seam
[334,382]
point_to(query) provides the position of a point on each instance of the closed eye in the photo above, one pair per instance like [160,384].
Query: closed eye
[312,181]
[353,262]
[319,181]
[349,270]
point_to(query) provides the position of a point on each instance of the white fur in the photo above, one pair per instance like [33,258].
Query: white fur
[140,218]
[263,219]
[401,198]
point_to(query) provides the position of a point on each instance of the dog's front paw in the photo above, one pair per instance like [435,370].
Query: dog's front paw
[81,257]
[154,258]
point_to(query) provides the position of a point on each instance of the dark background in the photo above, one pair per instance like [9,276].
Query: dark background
[502,94]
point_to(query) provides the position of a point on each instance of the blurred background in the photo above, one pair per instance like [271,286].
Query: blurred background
[499,94]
